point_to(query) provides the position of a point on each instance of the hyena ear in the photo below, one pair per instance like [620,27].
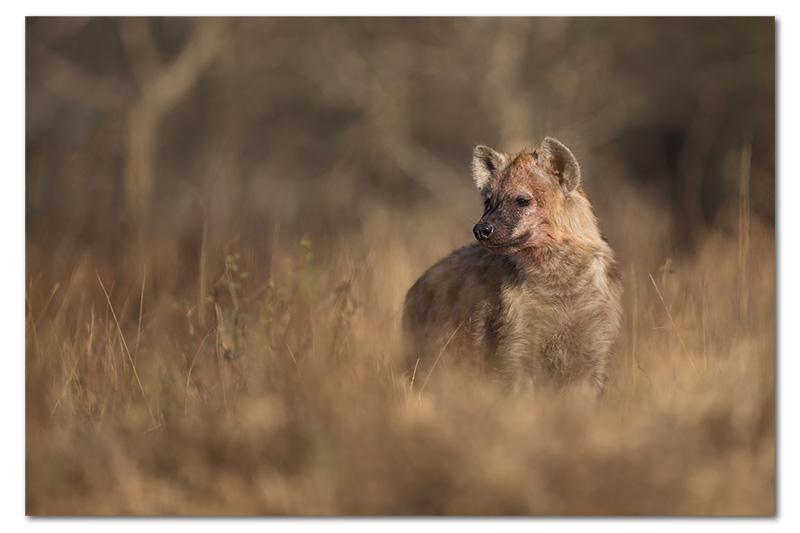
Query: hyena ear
[559,160]
[485,164]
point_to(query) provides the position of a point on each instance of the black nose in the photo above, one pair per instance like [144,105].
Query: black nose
[483,231]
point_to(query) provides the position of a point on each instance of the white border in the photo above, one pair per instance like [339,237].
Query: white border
[12,144]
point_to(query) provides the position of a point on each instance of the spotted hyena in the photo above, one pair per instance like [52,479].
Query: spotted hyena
[536,300]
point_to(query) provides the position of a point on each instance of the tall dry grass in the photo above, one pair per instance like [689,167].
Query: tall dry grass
[284,399]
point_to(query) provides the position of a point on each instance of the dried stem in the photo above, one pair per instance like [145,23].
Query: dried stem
[127,352]
[685,351]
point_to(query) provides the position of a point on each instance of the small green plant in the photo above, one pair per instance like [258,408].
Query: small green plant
[665,270]
[305,243]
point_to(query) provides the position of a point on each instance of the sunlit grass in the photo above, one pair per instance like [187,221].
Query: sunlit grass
[282,396]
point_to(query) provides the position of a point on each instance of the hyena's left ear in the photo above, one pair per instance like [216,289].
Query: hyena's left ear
[485,164]
[560,161]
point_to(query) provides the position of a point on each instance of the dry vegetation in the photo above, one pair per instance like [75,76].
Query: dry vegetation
[223,217]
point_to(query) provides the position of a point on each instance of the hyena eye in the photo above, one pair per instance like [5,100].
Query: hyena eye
[523,201]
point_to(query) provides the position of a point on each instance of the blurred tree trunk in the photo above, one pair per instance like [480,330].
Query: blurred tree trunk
[161,87]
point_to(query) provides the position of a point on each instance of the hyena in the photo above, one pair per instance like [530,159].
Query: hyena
[536,301]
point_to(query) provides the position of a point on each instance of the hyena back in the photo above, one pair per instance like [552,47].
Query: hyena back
[536,301]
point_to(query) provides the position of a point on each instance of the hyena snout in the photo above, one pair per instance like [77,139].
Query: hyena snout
[483,230]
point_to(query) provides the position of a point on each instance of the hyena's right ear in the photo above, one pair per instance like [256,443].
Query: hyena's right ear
[485,164]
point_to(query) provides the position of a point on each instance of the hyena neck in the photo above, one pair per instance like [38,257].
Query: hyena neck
[572,235]
[575,219]
[560,260]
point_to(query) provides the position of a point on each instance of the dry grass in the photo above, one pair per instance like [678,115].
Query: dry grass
[288,402]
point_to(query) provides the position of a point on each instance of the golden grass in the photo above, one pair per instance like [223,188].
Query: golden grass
[273,391]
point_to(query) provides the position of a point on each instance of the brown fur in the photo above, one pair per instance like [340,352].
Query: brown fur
[538,303]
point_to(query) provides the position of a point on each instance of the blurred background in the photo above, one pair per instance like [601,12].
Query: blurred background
[247,176]
[314,124]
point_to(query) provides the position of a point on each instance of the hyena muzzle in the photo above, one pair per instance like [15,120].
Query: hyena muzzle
[536,301]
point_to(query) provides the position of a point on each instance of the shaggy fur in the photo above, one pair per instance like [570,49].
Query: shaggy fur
[538,302]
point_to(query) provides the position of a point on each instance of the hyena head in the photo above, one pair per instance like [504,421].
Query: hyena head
[523,195]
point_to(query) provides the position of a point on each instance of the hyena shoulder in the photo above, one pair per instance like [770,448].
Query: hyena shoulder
[458,303]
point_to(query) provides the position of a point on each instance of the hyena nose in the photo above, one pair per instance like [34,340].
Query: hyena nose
[483,231]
